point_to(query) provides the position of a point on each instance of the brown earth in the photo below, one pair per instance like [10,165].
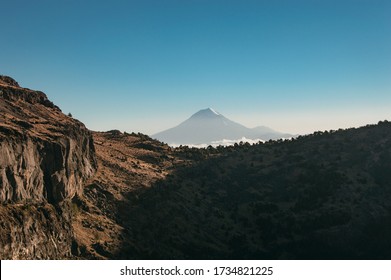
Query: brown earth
[127,165]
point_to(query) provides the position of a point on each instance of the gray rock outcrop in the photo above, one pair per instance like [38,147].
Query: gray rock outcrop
[45,159]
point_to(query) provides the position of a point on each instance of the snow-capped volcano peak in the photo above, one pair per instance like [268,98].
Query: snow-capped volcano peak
[206,113]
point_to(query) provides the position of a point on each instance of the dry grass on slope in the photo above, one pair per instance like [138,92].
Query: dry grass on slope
[126,163]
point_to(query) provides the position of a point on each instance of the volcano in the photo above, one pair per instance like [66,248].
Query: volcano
[209,127]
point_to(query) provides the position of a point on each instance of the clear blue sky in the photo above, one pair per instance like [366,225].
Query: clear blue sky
[296,66]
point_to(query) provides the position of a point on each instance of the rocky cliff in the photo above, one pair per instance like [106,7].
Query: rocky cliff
[45,159]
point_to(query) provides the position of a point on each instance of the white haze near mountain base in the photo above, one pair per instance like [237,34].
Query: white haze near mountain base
[224,142]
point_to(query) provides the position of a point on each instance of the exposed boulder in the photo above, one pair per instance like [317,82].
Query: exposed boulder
[8,81]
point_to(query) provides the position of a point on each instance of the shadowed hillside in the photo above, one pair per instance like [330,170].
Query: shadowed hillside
[126,163]
[322,196]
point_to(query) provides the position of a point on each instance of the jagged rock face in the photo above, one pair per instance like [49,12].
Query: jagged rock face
[45,159]
[44,155]
[34,232]
[8,81]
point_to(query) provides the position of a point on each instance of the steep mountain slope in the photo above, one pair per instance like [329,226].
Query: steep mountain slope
[126,164]
[207,126]
[324,196]
[45,159]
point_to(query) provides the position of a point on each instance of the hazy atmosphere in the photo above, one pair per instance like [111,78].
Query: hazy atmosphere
[145,66]
[213,130]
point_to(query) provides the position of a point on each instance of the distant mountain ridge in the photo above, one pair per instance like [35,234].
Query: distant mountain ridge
[208,126]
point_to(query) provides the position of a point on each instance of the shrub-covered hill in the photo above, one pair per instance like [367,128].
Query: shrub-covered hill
[322,196]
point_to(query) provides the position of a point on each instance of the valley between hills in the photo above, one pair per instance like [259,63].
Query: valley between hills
[70,193]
